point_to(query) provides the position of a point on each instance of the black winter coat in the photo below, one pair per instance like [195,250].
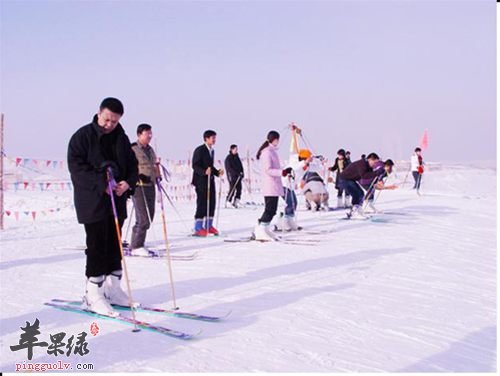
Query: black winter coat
[89,150]
[358,170]
[201,161]
[234,167]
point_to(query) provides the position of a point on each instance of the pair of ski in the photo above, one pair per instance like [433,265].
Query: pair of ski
[280,239]
[158,253]
[375,217]
[75,306]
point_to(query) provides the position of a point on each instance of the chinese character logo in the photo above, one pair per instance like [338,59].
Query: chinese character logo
[29,340]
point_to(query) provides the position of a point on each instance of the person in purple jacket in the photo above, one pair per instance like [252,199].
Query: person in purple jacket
[383,170]
[362,170]
[272,187]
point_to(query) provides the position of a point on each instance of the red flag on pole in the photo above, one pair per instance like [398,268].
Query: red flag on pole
[424,141]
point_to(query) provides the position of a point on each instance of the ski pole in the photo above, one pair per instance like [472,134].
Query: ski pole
[162,188]
[406,176]
[111,185]
[150,218]
[380,191]
[292,191]
[218,204]
[286,205]
[368,193]
[230,194]
[208,202]
[167,245]
[130,221]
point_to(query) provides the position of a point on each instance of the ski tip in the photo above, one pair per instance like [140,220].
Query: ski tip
[192,336]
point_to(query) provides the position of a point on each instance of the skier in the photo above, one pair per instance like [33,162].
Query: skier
[204,183]
[382,171]
[417,167]
[91,150]
[352,174]
[145,192]
[272,187]
[235,175]
[292,175]
[341,162]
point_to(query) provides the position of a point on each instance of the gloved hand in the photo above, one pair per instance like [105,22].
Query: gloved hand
[103,167]
[144,179]
[286,172]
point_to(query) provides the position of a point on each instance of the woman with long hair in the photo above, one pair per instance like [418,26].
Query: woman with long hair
[272,187]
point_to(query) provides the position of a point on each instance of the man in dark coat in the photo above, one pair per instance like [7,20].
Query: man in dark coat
[92,149]
[352,174]
[234,169]
[203,175]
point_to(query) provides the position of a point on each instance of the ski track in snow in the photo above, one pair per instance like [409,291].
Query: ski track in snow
[414,293]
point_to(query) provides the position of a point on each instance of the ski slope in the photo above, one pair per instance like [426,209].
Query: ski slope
[414,291]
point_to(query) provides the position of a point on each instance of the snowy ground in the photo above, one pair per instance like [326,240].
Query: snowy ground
[415,292]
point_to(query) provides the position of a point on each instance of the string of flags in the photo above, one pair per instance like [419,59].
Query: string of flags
[37,185]
[23,162]
[179,187]
[35,213]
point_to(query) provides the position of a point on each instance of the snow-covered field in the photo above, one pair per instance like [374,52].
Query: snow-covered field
[415,291]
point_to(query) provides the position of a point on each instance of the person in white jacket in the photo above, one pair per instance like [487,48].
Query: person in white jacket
[417,167]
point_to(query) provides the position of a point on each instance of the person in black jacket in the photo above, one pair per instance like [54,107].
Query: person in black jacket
[341,162]
[91,150]
[234,169]
[203,175]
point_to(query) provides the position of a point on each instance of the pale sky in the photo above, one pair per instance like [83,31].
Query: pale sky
[363,75]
